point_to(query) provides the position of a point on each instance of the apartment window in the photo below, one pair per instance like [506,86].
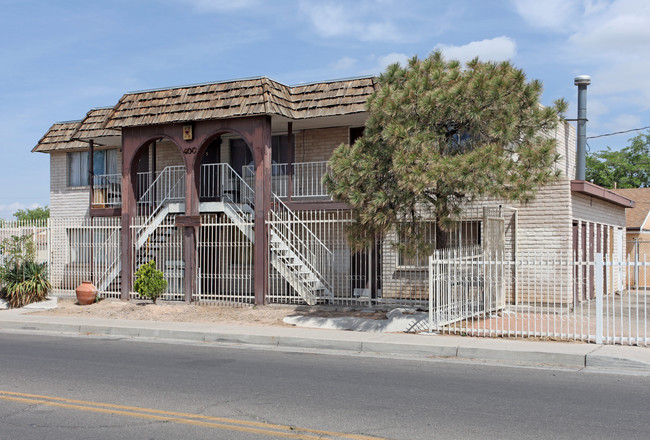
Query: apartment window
[355,133]
[466,233]
[104,162]
[418,258]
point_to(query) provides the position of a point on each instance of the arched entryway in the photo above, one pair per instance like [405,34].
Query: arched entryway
[256,134]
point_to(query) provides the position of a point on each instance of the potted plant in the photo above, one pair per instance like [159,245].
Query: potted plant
[149,281]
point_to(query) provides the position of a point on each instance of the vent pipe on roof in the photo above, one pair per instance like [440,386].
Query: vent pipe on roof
[582,82]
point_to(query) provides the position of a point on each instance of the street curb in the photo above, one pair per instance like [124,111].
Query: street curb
[507,356]
[615,363]
[571,360]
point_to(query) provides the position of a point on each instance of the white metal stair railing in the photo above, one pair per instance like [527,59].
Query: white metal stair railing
[167,187]
[154,204]
[303,259]
[112,272]
[296,252]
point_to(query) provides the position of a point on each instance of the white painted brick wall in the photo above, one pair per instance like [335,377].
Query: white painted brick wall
[66,201]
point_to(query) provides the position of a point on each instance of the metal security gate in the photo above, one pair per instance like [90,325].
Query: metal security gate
[473,293]
[469,281]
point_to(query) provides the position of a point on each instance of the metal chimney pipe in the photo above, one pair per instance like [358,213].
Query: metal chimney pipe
[582,82]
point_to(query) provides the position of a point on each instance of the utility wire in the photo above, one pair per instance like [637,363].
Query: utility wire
[618,132]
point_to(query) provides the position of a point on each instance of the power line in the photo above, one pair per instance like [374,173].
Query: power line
[618,132]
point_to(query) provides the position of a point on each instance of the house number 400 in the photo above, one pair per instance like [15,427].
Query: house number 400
[190,150]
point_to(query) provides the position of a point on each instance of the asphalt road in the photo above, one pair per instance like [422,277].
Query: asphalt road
[84,388]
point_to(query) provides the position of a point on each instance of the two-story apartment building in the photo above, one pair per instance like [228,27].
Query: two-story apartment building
[221,184]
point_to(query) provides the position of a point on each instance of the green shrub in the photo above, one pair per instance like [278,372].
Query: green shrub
[24,281]
[149,281]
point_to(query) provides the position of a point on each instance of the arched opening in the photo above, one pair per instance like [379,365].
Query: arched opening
[225,247]
[226,162]
[157,171]
[157,174]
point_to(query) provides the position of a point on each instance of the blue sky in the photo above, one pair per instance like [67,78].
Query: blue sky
[61,58]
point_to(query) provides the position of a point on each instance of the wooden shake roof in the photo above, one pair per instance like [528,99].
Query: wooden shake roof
[59,138]
[635,218]
[93,125]
[250,97]
[220,100]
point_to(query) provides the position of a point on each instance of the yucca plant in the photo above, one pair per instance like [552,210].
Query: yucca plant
[24,281]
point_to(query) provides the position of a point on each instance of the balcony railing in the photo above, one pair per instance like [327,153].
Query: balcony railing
[307,179]
[307,182]
[107,190]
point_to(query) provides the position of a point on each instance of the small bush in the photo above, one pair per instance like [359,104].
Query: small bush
[149,281]
[24,281]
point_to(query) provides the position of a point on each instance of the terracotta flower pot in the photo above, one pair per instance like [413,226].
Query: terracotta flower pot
[86,293]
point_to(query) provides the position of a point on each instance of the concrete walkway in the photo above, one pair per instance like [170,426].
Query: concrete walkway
[579,356]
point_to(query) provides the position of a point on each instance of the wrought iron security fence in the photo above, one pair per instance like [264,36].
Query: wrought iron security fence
[224,262]
[476,293]
[164,245]
[85,249]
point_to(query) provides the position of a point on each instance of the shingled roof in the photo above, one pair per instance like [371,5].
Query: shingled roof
[59,138]
[635,218]
[219,100]
[74,135]
[93,125]
[250,97]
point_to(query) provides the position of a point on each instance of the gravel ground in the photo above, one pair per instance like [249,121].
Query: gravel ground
[181,312]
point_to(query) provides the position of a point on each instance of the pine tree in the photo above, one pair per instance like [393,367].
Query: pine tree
[438,136]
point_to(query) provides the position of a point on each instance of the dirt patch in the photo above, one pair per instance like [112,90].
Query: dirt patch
[181,312]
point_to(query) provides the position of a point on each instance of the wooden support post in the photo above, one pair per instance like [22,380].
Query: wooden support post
[190,230]
[261,142]
[91,184]
[292,153]
[128,212]
[152,172]
[91,171]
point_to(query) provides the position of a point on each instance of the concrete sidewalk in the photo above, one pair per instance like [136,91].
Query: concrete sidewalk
[505,351]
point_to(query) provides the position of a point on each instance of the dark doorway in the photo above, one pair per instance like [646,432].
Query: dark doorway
[365,272]
[210,181]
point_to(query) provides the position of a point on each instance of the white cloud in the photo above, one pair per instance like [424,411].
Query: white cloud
[548,14]
[392,58]
[344,63]
[342,20]
[615,31]
[496,49]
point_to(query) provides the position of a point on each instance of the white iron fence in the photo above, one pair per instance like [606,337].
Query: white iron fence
[478,288]
[224,262]
[84,249]
[164,245]
[478,293]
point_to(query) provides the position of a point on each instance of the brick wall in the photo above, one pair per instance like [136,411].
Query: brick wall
[167,154]
[319,144]
[66,201]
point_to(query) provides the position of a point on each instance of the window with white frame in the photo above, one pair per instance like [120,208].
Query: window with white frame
[104,162]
